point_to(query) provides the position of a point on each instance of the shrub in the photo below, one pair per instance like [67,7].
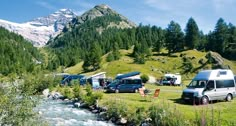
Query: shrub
[187,65]
[77,91]
[164,115]
[16,105]
[144,78]
[139,115]
[139,59]
[91,97]
[40,82]
[68,93]
[117,109]
[110,57]
[88,89]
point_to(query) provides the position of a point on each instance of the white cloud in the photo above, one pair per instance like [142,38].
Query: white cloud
[46,5]
[205,12]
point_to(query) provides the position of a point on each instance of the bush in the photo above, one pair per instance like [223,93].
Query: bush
[77,91]
[139,59]
[144,78]
[39,82]
[91,97]
[88,89]
[68,93]
[138,116]
[164,115]
[16,106]
[110,57]
[116,109]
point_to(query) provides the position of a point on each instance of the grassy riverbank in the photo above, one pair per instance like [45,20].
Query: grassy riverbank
[221,111]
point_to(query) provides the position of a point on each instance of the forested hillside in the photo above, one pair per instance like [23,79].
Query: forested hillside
[16,54]
[89,40]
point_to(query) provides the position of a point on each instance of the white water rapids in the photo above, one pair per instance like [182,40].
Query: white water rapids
[61,113]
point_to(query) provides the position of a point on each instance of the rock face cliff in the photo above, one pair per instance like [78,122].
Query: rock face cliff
[99,11]
[41,29]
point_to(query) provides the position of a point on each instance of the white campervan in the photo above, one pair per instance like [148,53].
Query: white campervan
[171,79]
[210,85]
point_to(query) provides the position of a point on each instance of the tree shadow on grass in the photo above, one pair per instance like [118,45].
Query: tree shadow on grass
[143,100]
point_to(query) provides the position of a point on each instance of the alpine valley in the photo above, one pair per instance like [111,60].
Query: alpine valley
[35,56]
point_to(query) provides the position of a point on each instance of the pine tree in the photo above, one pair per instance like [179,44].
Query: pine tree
[192,34]
[174,38]
[93,58]
[218,39]
[158,38]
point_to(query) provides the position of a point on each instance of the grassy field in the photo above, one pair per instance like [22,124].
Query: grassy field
[156,66]
[170,96]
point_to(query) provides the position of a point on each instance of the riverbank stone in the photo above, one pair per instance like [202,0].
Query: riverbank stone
[46,92]
[77,104]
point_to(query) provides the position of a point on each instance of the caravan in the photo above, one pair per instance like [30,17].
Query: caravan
[211,85]
[171,79]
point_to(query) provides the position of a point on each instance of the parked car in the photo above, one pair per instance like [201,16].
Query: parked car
[209,85]
[124,85]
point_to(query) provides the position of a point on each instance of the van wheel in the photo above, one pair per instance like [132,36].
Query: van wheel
[116,91]
[229,97]
[205,100]
[136,91]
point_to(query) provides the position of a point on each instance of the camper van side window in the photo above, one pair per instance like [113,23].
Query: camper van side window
[229,83]
[224,83]
[220,84]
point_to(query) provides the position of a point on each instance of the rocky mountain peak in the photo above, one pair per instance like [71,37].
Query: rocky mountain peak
[63,16]
[40,30]
[104,6]
[98,11]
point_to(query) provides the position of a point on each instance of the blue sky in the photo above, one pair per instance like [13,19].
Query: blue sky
[153,12]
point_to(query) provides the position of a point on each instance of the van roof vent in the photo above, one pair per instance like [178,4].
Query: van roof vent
[221,73]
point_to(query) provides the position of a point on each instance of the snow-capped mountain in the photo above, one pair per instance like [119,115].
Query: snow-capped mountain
[41,29]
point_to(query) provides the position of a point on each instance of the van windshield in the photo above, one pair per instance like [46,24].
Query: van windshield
[197,84]
[114,83]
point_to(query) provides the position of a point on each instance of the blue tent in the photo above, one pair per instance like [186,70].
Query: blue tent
[127,75]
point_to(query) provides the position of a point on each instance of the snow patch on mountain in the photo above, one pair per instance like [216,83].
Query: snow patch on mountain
[41,29]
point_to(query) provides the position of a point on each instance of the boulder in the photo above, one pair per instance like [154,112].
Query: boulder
[40,112]
[102,116]
[121,121]
[55,95]
[77,104]
[46,92]
[83,105]
[95,111]
[216,59]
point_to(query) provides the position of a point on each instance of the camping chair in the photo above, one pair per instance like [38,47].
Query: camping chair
[156,94]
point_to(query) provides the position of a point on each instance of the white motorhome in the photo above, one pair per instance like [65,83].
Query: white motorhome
[171,79]
[210,85]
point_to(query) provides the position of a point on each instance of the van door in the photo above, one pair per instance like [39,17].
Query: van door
[224,87]
[210,90]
